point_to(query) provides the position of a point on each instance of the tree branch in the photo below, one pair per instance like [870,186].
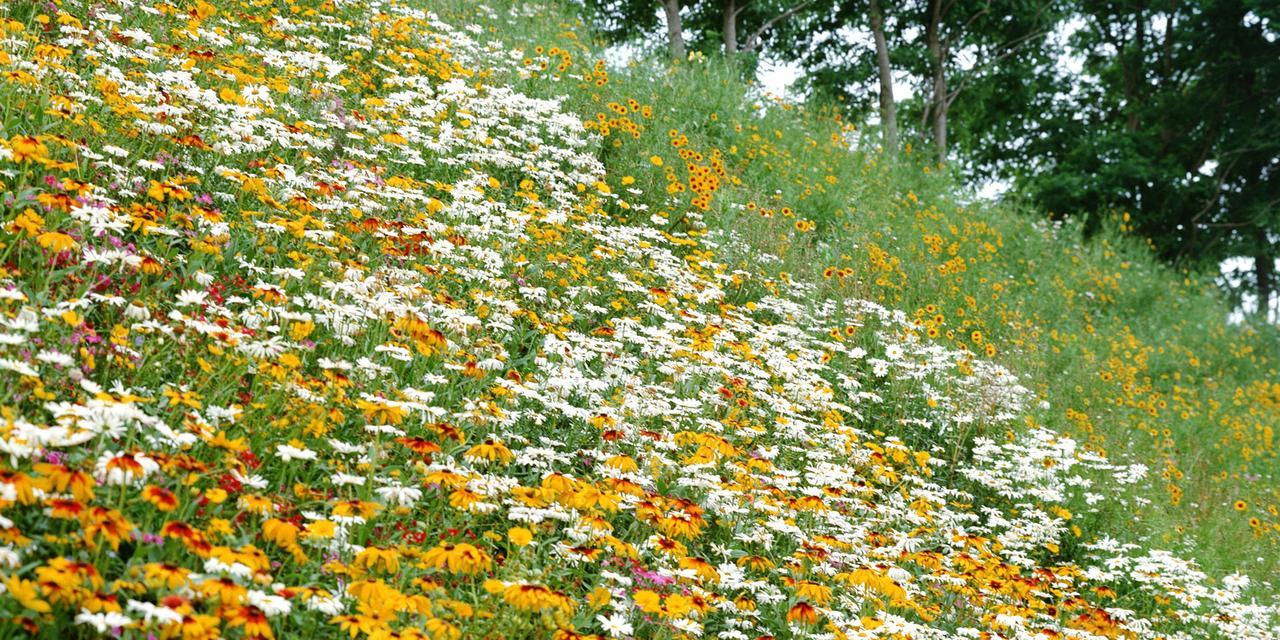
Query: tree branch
[754,40]
[1223,174]
[1011,48]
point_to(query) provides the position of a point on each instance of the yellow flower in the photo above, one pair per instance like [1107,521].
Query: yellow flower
[256,504]
[56,242]
[27,148]
[284,534]
[320,529]
[30,222]
[379,413]
[656,160]
[300,330]
[215,495]
[647,601]
[442,629]
[814,592]
[24,591]
[374,559]
[459,558]
[519,536]
[535,597]
[227,94]
[353,507]
[677,605]
[204,10]
[162,575]
[804,613]
[490,450]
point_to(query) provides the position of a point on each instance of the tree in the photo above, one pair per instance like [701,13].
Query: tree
[1175,120]
[630,20]
[704,26]
[764,15]
[675,28]
[972,47]
[847,51]
[949,50]
[888,108]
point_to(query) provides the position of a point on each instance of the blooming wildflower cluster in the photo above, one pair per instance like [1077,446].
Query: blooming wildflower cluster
[311,323]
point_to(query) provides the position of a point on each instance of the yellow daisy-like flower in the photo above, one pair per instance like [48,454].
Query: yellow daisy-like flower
[490,451]
[56,242]
[27,148]
[457,558]
[519,536]
[813,592]
[535,597]
[26,593]
[374,559]
[804,613]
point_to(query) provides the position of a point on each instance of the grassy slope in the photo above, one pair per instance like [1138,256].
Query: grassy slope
[885,229]
[1135,358]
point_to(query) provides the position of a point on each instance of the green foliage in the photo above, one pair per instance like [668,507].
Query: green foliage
[1178,126]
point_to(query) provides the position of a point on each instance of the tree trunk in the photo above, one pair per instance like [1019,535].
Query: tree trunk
[730,29]
[1264,271]
[1135,76]
[938,101]
[675,29]
[1166,76]
[888,109]
[940,113]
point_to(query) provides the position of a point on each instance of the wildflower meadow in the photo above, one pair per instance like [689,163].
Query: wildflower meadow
[388,319]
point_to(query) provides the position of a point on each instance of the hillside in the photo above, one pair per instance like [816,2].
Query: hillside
[416,319]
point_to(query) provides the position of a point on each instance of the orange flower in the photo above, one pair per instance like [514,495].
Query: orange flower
[64,509]
[21,483]
[420,446]
[253,620]
[27,148]
[108,523]
[803,612]
[459,558]
[535,597]
[160,498]
[191,537]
